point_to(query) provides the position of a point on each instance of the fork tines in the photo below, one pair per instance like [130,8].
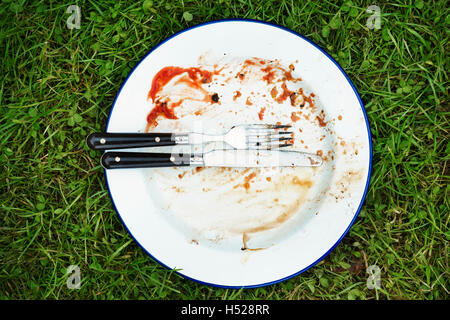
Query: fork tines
[267,136]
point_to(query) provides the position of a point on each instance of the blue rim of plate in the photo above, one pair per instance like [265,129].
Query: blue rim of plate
[368,132]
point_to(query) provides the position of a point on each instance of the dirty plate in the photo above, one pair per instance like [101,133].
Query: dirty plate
[242,227]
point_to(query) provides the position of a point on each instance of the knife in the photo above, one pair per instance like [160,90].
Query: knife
[215,158]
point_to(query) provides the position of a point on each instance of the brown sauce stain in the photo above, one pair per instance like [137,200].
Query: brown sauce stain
[245,239]
[302,185]
[279,220]
[305,183]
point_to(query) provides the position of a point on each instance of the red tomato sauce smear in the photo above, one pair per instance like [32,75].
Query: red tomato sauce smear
[196,77]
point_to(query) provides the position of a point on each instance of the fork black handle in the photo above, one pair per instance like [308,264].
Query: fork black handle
[104,141]
[122,160]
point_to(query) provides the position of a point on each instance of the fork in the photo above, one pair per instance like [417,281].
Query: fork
[246,136]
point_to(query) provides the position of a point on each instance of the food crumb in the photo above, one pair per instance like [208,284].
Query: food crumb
[215,97]
[240,76]
[294,117]
[261,113]
[321,119]
[247,180]
[274,92]
[270,74]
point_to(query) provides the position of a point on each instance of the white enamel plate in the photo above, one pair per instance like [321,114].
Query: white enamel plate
[238,227]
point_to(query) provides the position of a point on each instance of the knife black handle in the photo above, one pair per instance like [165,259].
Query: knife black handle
[104,141]
[121,160]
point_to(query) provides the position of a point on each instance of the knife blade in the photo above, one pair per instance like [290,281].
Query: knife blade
[214,158]
[260,158]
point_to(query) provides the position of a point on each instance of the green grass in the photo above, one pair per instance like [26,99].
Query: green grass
[58,85]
